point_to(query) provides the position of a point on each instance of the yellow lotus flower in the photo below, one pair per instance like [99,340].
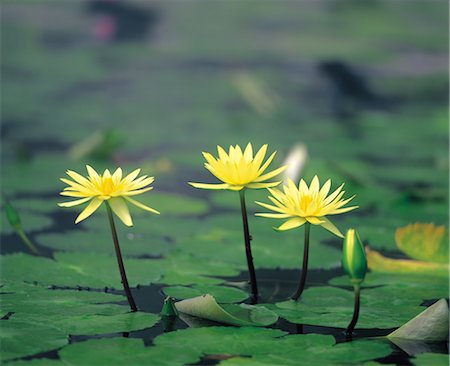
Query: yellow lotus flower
[238,170]
[307,204]
[113,189]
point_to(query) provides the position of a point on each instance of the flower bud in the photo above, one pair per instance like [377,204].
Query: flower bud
[12,215]
[354,257]
[169,308]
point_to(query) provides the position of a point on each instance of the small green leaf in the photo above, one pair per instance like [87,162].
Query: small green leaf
[169,308]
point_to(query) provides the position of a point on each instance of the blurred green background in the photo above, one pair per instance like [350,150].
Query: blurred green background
[362,84]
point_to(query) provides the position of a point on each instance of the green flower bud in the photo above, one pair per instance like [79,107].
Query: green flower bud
[12,215]
[169,308]
[354,257]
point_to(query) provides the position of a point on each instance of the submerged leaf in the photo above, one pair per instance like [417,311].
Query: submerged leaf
[425,242]
[206,307]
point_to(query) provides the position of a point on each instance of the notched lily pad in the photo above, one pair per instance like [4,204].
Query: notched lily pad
[239,315]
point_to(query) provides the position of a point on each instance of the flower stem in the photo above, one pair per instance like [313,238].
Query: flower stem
[27,241]
[248,249]
[126,287]
[301,284]
[351,326]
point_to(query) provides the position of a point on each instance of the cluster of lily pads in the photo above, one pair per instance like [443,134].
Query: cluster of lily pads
[301,205]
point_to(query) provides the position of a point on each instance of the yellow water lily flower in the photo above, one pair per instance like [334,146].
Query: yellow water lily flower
[110,188]
[304,204]
[240,169]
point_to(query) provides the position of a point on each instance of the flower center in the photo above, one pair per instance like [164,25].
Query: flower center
[107,186]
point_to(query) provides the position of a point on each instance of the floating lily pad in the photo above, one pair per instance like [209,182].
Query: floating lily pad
[412,286]
[20,339]
[206,307]
[126,351]
[173,204]
[222,340]
[222,237]
[431,359]
[133,242]
[222,294]
[99,271]
[254,343]
[73,312]
[333,307]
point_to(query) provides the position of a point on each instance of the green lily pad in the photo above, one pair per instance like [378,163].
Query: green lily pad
[206,307]
[99,271]
[73,312]
[431,359]
[133,242]
[222,294]
[222,340]
[173,204]
[412,286]
[20,339]
[126,351]
[87,270]
[252,344]
[333,307]
[318,349]
[221,237]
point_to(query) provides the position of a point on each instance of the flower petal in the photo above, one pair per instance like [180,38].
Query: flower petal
[210,186]
[259,157]
[223,156]
[248,152]
[120,208]
[327,224]
[271,174]
[141,205]
[292,224]
[262,185]
[89,210]
[117,176]
[314,220]
[136,192]
[315,184]
[130,177]
[273,215]
[270,207]
[74,203]
[93,174]
[267,163]
[343,210]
